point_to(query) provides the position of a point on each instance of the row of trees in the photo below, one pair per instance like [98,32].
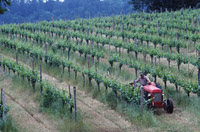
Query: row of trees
[37,10]
[161,5]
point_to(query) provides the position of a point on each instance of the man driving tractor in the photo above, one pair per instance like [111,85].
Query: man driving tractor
[144,80]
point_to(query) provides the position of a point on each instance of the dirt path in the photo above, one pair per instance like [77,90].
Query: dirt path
[99,115]
[24,111]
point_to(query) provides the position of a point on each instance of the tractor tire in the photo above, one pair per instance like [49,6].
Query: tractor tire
[158,86]
[170,106]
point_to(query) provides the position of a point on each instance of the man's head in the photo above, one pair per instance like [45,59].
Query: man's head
[142,74]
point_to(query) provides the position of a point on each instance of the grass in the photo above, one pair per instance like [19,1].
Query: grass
[8,125]
[191,104]
[66,119]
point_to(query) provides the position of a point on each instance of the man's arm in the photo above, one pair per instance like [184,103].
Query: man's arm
[148,80]
[137,80]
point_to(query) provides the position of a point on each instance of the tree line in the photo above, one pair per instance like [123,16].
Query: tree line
[162,5]
[38,10]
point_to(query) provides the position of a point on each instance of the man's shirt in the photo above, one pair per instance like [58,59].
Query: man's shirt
[143,81]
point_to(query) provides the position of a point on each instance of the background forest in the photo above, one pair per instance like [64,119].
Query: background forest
[37,10]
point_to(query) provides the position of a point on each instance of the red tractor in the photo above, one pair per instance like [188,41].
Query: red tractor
[155,94]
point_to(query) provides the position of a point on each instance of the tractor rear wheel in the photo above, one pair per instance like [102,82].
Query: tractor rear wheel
[170,106]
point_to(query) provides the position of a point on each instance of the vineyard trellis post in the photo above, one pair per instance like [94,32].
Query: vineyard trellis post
[123,31]
[88,62]
[141,98]
[4,109]
[95,66]
[17,57]
[0,62]
[70,97]
[3,104]
[199,73]
[155,79]
[75,111]
[46,48]
[109,35]
[41,88]
[113,23]
[136,44]
[1,95]
[32,64]
[188,61]
[82,23]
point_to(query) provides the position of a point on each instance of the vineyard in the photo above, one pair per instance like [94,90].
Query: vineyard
[105,54]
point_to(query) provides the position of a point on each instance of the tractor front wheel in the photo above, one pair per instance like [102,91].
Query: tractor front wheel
[170,106]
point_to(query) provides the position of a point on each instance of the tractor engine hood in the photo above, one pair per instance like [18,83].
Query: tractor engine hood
[152,89]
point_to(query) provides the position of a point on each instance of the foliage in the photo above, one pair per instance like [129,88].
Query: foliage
[37,10]
[3,5]
[161,5]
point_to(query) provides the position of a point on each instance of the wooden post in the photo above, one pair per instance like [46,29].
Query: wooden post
[113,23]
[0,62]
[46,53]
[167,48]
[177,36]
[155,79]
[88,32]
[75,112]
[4,109]
[17,58]
[122,27]
[1,96]
[142,98]
[32,64]
[145,57]
[83,79]
[199,74]
[70,97]
[95,66]
[88,63]
[123,31]
[188,53]
[109,40]
[82,23]
[135,41]
[41,88]
[92,45]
